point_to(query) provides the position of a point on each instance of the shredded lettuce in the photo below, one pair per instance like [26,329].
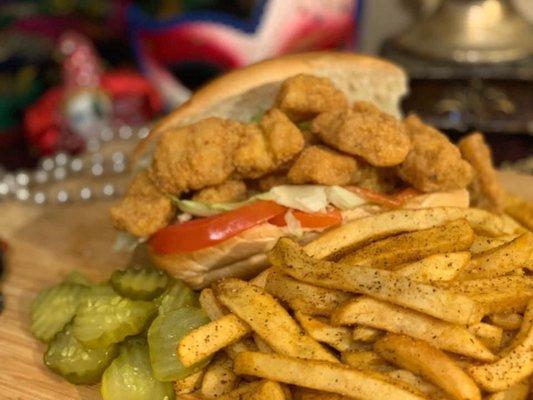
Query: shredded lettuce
[308,198]
[126,242]
[293,225]
[343,198]
[200,209]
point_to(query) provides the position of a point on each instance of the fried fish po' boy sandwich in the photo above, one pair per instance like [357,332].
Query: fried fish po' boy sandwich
[289,146]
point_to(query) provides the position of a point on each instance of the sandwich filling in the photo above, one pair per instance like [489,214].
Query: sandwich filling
[304,165]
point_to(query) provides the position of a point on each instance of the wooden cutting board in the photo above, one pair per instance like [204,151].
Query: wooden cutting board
[46,243]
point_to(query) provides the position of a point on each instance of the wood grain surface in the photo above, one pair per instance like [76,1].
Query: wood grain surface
[46,243]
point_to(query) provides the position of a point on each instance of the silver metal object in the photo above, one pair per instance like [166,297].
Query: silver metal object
[471,31]
[51,182]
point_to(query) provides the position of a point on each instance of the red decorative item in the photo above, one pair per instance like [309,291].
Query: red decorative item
[87,101]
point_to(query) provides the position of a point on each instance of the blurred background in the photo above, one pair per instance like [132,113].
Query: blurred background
[82,81]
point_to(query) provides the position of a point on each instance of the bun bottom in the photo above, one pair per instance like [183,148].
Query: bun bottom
[244,256]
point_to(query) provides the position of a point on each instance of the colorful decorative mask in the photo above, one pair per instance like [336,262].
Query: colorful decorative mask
[275,27]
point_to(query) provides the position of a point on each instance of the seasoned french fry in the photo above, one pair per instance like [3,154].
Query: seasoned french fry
[214,311]
[208,339]
[366,334]
[261,279]
[515,365]
[337,337]
[520,391]
[416,381]
[322,375]
[262,346]
[500,260]
[304,297]
[269,390]
[484,243]
[381,284]
[521,210]
[300,393]
[219,378]
[269,319]
[525,329]
[366,360]
[508,322]
[260,390]
[244,391]
[435,268]
[246,344]
[507,338]
[413,246]
[391,318]
[421,358]
[211,305]
[355,233]
[189,396]
[490,335]
[189,384]
[488,285]
[505,294]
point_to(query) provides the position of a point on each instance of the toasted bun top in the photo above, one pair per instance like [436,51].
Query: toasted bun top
[242,93]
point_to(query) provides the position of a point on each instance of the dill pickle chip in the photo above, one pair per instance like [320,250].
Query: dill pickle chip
[67,357]
[163,337]
[53,308]
[130,377]
[77,277]
[139,283]
[100,290]
[177,295]
[105,319]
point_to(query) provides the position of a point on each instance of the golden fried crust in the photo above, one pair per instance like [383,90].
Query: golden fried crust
[229,191]
[434,163]
[252,157]
[283,137]
[485,188]
[365,131]
[381,180]
[318,164]
[144,209]
[302,97]
[266,146]
[195,156]
[268,182]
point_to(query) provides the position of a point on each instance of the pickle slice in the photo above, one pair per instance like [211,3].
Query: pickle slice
[99,290]
[178,295]
[106,319]
[139,283]
[77,277]
[130,377]
[68,358]
[53,308]
[163,337]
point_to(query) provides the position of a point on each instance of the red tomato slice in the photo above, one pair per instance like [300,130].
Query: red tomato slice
[393,201]
[311,220]
[204,232]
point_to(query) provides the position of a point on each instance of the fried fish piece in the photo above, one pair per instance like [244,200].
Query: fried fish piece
[144,209]
[302,97]
[266,146]
[195,156]
[381,180]
[364,131]
[434,163]
[485,188]
[268,182]
[228,191]
[318,164]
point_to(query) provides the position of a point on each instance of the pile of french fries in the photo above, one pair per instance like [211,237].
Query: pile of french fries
[408,304]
